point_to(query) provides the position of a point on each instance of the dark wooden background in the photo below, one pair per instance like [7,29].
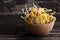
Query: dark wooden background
[11,25]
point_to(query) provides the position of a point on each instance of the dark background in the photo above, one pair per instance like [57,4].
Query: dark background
[10,12]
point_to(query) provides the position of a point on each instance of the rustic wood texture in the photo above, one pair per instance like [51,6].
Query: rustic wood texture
[12,28]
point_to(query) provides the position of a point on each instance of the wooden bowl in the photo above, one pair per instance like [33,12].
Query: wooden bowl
[40,29]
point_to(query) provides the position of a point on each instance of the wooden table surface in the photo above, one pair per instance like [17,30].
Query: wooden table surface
[22,34]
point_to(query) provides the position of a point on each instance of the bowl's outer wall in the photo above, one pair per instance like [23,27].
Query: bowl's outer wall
[40,29]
